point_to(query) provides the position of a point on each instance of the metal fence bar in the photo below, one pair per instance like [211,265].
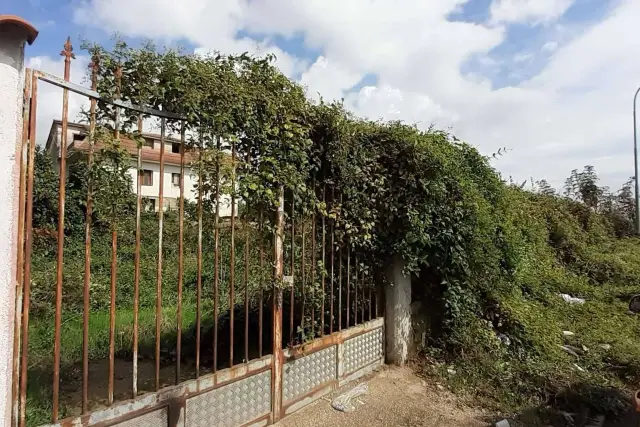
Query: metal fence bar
[216,266]
[112,315]
[302,277]
[246,275]
[180,258]
[324,262]
[261,303]
[159,264]
[199,261]
[114,265]
[15,384]
[331,281]
[67,52]
[277,360]
[293,257]
[136,279]
[232,272]
[80,90]
[369,301]
[313,272]
[340,287]
[24,356]
[87,239]
[348,281]
[355,292]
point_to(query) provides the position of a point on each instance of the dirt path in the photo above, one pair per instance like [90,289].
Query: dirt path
[396,397]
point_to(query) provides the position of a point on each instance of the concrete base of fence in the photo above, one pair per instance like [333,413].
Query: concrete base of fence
[397,313]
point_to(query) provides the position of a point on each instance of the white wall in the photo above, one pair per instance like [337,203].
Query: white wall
[173,191]
[11,87]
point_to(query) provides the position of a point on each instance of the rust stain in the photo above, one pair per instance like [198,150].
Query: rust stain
[159,264]
[28,249]
[136,285]
[68,54]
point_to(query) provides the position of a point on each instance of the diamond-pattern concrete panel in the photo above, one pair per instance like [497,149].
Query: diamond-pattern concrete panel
[363,350]
[303,375]
[232,405]
[157,418]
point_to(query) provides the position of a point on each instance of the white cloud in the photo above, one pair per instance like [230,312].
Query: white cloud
[532,11]
[328,80]
[575,111]
[49,105]
[523,57]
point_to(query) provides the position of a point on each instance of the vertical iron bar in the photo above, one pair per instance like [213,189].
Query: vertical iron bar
[114,248]
[87,238]
[302,276]
[348,280]
[112,314]
[355,292]
[27,251]
[232,272]
[293,258]
[340,287]
[278,249]
[260,309]
[246,275]
[313,272]
[331,281]
[15,385]
[369,298]
[216,272]
[67,52]
[340,276]
[180,256]
[324,262]
[199,261]
[159,265]
[136,281]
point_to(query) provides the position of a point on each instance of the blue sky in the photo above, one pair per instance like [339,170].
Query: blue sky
[548,79]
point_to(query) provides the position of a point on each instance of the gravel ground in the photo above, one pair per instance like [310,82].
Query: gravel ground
[396,397]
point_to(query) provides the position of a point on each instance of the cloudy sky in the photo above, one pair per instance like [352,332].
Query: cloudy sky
[552,81]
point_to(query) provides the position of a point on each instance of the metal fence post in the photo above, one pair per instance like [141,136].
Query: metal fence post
[277,360]
[14,34]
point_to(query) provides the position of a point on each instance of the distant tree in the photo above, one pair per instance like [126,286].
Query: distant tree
[543,187]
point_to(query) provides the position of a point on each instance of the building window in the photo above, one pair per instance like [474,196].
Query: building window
[79,137]
[147,177]
[175,147]
[149,205]
[175,179]
[148,143]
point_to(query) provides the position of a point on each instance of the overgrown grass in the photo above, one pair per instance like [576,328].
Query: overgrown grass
[505,349]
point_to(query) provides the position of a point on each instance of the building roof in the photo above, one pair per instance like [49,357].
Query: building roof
[148,154]
[27,29]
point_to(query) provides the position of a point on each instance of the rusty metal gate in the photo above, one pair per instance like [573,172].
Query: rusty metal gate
[308,334]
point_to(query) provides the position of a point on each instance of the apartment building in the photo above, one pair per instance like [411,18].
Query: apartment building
[78,147]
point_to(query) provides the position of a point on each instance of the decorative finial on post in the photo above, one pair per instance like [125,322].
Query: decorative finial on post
[68,54]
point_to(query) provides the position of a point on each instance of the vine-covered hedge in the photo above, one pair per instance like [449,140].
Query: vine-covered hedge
[488,258]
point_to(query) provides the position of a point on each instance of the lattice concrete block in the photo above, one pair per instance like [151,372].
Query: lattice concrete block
[305,374]
[232,405]
[363,350]
[159,418]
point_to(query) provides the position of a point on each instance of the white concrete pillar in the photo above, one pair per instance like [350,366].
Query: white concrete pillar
[397,313]
[14,33]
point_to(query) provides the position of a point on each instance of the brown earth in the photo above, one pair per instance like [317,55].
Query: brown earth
[396,397]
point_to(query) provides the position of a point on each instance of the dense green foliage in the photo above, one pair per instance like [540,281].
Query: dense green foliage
[488,258]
